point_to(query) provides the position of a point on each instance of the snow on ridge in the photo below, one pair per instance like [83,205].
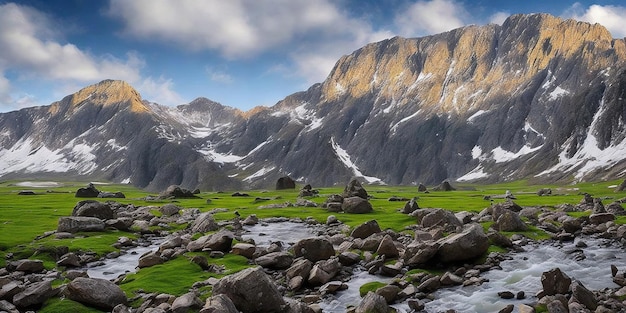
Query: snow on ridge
[589,156]
[475,115]
[395,126]
[557,93]
[28,158]
[500,155]
[477,173]
[260,173]
[344,157]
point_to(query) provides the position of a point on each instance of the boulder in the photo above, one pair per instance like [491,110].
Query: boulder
[621,186]
[411,206]
[509,221]
[373,303]
[354,189]
[324,271]
[285,182]
[357,205]
[471,243]
[444,186]
[219,304]
[34,294]
[366,229]
[26,265]
[418,253]
[220,241]
[601,218]
[93,208]
[389,292]
[169,209]
[204,223]
[555,282]
[96,292]
[244,249]
[74,224]
[314,249]
[188,302]
[544,192]
[421,188]
[441,218]
[88,192]
[275,260]
[251,290]
[584,296]
[149,259]
[26,193]
[387,248]
[175,192]
[300,267]
[116,195]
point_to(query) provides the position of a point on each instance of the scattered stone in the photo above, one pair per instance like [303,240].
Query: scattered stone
[149,259]
[186,303]
[366,229]
[88,192]
[356,205]
[354,189]
[219,304]
[506,295]
[507,309]
[584,296]
[93,208]
[251,290]
[74,224]
[36,293]
[169,209]
[275,260]
[96,292]
[555,282]
[373,303]
[176,192]
[444,186]
[285,182]
[314,249]
[204,223]
[244,249]
[421,188]
[471,243]
[411,206]
[544,192]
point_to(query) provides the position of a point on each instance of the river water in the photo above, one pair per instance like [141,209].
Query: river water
[590,265]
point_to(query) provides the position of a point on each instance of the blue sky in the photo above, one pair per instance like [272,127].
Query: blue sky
[241,53]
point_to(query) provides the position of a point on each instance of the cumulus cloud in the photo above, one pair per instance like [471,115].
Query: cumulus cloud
[314,34]
[160,90]
[431,17]
[610,16]
[31,48]
[499,17]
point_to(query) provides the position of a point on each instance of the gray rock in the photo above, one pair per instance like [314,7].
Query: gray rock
[324,271]
[373,303]
[91,208]
[442,218]
[472,242]
[356,205]
[354,189]
[169,209]
[27,265]
[557,306]
[417,253]
[244,249]
[96,292]
[601,218]
[149,259]
[366,229]
[74,224]
[251,290]
[204,223]
[555,282]
[387,247]
[188,302]
[584,296]
[275,260]
[219,304]
[389,292]
[314,249]
[220,241]
[34,294]
[509,221]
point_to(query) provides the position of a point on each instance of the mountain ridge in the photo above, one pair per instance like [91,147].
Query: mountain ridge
[536,98]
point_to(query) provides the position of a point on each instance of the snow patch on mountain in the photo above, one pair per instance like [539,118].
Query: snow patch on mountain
[477,173]
[26,157]
[475,115]
[500,155]
[259,173]
[406,119]
[589,156]
[344,157]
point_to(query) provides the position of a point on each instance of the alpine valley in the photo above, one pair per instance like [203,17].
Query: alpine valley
[537,98]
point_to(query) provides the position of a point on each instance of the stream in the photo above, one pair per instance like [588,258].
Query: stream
[590,265]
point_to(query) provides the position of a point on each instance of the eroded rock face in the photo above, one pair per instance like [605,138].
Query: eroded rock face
[251,290]
[96,292]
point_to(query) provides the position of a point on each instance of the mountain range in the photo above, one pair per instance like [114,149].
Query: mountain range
[538,98]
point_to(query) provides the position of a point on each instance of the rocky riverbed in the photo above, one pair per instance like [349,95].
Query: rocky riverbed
[441,263]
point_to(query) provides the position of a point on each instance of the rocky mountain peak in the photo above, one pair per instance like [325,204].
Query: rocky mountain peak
[105,93]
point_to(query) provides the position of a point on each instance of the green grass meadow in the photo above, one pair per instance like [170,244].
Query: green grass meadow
[25,218]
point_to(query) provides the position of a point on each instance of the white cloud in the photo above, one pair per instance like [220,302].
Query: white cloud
[431,17]
[159,90]
[499,17]
[610,16]
[316,33]
[219,76]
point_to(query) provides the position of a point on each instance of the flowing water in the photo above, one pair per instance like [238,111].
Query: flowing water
[125,263]
[287,232]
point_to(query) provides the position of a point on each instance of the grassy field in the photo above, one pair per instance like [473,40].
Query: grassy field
[24,219]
